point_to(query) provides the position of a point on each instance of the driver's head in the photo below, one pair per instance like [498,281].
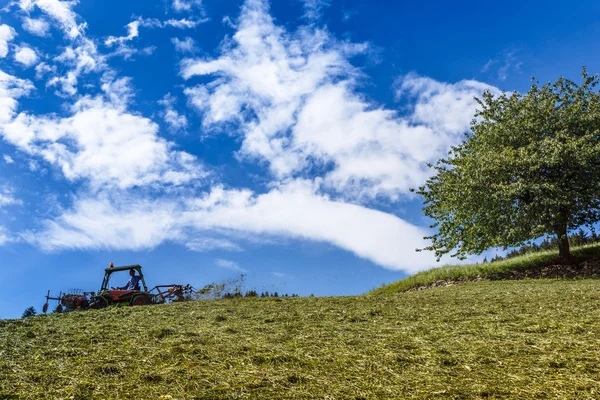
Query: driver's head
[132,272]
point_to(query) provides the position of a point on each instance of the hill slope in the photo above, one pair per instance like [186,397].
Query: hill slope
[544,264]
[525,339]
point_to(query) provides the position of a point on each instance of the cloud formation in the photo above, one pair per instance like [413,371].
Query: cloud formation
[104,145]
[59,11]
[506,63]
[187,45]
[39,27]
[7,197]
[174,120]
[228,264]
[293,210]
[186,5]
[11,89]
[292,101]
[313,8]
[133,30]
[7,33]
[26,56]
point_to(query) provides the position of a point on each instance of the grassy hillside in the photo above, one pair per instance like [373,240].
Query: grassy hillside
[533,265]
[523,339]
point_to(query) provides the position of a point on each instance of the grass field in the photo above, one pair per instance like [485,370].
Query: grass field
[495,270]
[521,339]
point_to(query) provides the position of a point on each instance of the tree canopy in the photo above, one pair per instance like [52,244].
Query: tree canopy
[530,167]
[29,312]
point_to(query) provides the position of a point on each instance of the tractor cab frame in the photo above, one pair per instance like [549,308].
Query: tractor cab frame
[109,271]
[107,296]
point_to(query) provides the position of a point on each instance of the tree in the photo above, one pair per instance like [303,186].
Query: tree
[530,167]
[29,312]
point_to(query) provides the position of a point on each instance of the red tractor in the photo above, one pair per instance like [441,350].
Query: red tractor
[134,296]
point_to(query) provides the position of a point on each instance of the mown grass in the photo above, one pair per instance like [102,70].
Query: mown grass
[519,339]
[496,268]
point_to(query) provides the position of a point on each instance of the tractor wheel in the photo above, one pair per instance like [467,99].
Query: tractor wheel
[141,300]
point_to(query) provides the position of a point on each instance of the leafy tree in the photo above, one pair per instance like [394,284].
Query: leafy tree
[531,167]
[29,312]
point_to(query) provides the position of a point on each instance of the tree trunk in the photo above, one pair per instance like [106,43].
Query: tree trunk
[564,251]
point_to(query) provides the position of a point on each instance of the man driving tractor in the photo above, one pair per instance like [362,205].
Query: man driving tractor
[133,283]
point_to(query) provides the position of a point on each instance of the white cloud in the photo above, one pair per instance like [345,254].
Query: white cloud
[294,210]
[26,56]
[11,88]
[314,8]
[175,120]
[133,30]
[4,236]
[228,264]
[82,58]
[59,11]
[8,159]
[487,65]
[187,45]
[127,52]
[186,5]
[293,99]
[510,64]
[7,33]
[103,223]
[39,27]
[203,244]
[279,274]
[7,197]
[184,23]
[507,63]
[43,69]
[148,50]
[103,144]
[442,106]
[118,91]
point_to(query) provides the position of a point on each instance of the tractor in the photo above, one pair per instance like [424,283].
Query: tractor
[107,296]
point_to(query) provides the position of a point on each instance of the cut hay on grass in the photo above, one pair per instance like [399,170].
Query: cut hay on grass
[517,339]
[512,268]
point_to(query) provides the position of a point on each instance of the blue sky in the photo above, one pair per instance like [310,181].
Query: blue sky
[205,138]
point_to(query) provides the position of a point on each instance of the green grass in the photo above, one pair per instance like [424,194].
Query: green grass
[487,270]
[518,339]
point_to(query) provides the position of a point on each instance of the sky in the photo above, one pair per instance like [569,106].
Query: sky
[204,139]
